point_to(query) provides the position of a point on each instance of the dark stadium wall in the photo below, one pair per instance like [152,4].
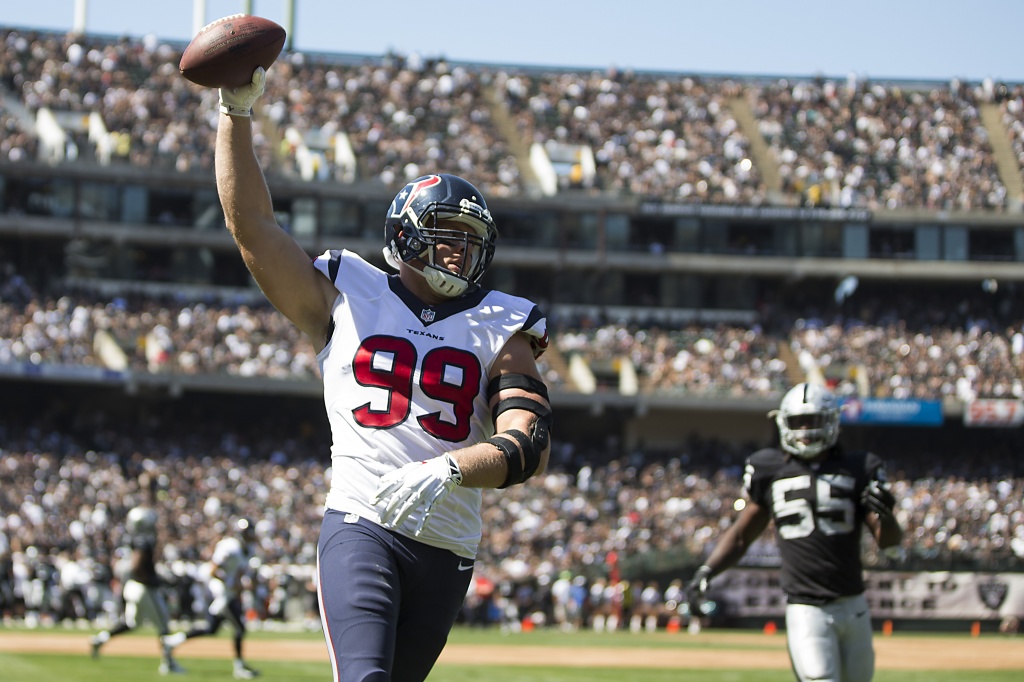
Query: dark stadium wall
[665,428]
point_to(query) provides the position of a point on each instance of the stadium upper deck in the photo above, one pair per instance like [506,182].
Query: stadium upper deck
[621,196]
[532,132]
[669,181]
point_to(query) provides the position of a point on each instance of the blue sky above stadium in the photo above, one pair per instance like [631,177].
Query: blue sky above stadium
[881,39]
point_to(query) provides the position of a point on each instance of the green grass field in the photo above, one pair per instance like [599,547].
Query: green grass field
[79,667]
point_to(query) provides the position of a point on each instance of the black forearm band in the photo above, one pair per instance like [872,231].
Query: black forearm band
[513,461]
[529,456]
[520,469]
[539,439]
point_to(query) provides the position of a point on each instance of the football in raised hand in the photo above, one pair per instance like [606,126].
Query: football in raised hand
[225,52]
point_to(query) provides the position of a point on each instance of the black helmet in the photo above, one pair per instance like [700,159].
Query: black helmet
[410,231]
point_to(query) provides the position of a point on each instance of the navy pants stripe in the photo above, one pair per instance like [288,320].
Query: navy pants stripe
[387,602]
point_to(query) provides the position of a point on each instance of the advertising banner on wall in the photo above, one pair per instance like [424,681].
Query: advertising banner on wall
[1005,413]
[893,412]
[755,592]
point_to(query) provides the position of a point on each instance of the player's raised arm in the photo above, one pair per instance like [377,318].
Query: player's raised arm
[282,269]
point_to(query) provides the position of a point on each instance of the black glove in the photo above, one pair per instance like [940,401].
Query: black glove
[698,586]
[877,497]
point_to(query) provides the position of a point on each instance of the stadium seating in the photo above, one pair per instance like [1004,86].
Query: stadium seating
[67,469]
[882,146]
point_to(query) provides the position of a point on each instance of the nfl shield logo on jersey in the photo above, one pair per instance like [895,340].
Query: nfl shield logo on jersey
[427,315]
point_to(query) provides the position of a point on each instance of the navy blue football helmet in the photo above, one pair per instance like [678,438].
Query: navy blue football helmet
[411,232]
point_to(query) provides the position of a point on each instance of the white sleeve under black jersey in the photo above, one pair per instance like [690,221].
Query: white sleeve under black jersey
[818,518]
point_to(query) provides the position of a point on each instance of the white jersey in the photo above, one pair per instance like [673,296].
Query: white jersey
[405,382]
[233,558]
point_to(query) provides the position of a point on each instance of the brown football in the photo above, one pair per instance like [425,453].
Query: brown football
[225,52]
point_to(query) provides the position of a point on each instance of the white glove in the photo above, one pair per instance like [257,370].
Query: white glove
[416,487]
[238,101]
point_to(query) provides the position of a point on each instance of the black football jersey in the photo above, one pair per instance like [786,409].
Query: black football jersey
[818,518]
[143,568]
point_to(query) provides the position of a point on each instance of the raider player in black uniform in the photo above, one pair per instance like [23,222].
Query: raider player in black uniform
[820,496]
[143,600]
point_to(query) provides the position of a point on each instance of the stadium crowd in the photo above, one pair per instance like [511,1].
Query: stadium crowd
[697,358]
[891,349]
[881,147]
[549,545]
[650,136]
[911,344]
[591,505]
[64,495]
[1011,106]
[393,117]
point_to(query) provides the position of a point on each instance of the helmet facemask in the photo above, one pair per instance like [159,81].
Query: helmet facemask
[413,237]
[808,421]
[473,246]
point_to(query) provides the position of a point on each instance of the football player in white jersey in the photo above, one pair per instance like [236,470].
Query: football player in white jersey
[432,392]
[225,575]
[820,497]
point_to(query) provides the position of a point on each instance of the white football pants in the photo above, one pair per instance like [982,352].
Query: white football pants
[831,643]
[143,603]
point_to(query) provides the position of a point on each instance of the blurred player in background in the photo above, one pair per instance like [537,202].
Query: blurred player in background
[820,497]
[142,596]
[432,392]
[226,576]
[647,609]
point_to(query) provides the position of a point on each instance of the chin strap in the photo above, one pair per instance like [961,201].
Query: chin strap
[391,258]
[444,283]
[441,282]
